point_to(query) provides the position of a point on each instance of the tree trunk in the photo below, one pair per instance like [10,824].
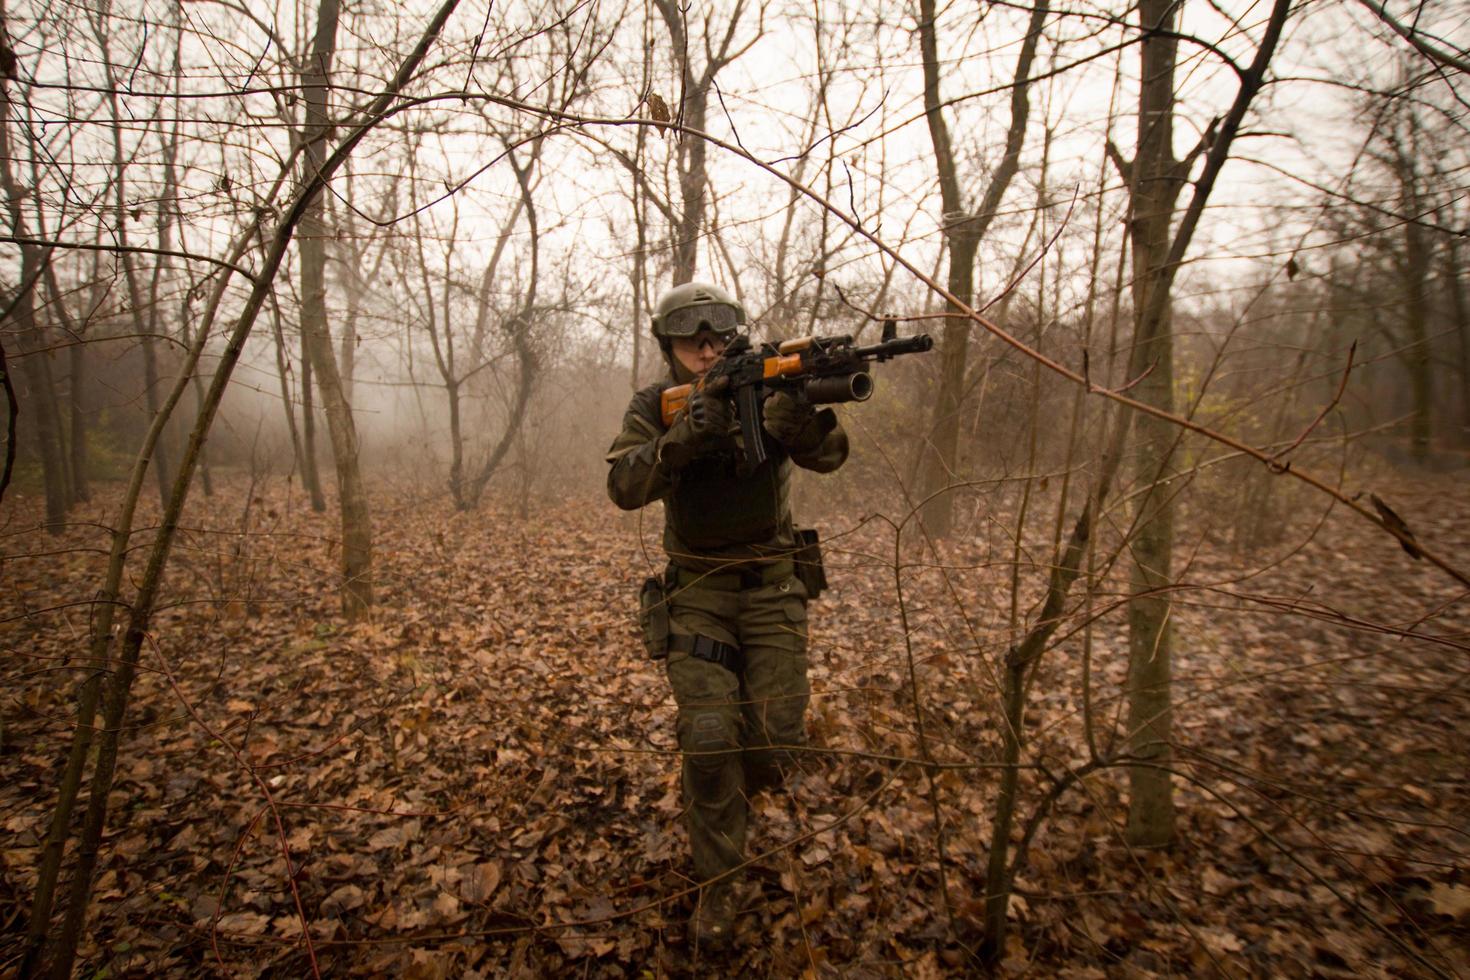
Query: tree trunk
[692,186]
[941,466]
[45,396]
[526,376]
[356,288]
[520,335]
[1154,180]
[638,275]
[12,418]
[692,112]
[39,390]
[963,232]
[442,343]
[143,325]
[310,474]
[31,343]
[357,548]
[1417,260]
[1157,179]
[81,476]
[206,478]
[169,218]
[283,371]
[46,400]
[1461,312]
[456,448]
[347,347]
[78,486]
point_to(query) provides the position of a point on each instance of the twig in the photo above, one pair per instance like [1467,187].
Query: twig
[1041,253]
[130,249]
[1341,388]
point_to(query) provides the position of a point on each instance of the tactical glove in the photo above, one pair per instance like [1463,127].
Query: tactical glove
[791,421]
[709,415]
[706,418]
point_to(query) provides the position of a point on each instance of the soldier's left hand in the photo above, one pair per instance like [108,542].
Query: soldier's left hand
[786,417]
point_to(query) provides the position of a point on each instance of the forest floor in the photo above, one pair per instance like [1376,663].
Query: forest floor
[481,780]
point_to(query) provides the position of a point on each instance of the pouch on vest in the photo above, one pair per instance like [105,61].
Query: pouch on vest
[653,618]
[808,559]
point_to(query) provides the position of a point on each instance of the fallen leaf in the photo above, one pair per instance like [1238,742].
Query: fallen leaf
[1450,900]
[478,882]
[344,899]
[446,907]
[249,923]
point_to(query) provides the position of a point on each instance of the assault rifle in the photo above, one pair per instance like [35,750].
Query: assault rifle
[819,370]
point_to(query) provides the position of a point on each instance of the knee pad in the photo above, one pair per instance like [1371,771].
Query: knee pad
[711,744]
[711,739]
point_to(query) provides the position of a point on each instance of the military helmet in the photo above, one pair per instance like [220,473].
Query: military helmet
[686,309]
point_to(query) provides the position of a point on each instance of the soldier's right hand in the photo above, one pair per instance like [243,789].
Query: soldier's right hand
[709,416]
[706,418]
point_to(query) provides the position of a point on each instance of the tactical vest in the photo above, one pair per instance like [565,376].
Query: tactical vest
[714,506]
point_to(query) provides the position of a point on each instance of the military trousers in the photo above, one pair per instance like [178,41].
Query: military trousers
[737,729]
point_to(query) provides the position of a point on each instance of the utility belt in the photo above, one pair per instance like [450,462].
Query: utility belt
[659,639]
[735,580]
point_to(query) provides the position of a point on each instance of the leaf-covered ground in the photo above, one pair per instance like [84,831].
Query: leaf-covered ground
[480,781]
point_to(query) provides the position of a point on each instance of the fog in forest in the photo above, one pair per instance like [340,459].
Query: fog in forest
[1144,649]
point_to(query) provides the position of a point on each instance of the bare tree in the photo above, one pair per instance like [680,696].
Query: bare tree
[964,228]
[121,665]
[352,500]
[143,313]
[20,310]
[1396,219]
[1155,179]
[1454,284]
[721,46]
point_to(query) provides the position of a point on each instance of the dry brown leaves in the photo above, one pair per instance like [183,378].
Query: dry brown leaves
[480,781]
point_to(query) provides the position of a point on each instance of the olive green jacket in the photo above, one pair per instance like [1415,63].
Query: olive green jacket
[716,514]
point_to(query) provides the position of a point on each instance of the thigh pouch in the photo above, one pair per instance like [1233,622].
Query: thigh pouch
[653,618]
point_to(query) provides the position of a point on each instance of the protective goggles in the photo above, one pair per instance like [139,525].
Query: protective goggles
[687,321]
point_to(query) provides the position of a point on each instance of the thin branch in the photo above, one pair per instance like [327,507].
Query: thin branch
[129,249]
[1337,397]
[1434,53]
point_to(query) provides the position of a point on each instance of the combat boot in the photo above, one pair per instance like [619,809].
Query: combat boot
[713,924]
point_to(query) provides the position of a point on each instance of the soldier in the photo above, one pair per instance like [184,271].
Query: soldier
[729,614]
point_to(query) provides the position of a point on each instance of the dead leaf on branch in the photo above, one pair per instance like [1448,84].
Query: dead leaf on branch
[658,109]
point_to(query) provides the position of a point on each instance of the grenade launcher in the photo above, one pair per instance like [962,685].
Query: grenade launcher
[820,370]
